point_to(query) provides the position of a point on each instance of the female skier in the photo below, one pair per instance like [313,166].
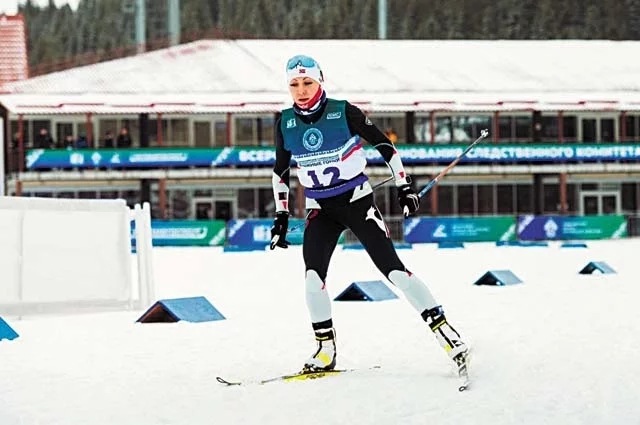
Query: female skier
[322,135]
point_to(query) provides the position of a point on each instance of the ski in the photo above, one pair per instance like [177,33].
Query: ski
[297,376]
[462,362]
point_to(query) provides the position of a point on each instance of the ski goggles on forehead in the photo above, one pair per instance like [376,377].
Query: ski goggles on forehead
[301,60]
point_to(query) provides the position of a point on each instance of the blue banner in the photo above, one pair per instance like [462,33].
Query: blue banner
[258,232]
[450,229]
[535,228]
[37,159]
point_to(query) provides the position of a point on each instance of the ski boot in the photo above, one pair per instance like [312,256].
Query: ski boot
[447,336]
[325,356]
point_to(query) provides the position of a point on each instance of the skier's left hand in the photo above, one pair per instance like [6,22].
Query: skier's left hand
[408,199]
[279,230]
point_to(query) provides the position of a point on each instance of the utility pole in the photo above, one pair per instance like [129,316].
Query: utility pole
[141,39]
[382,19]
[173,19]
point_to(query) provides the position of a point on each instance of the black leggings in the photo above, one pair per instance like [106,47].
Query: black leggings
[324,226]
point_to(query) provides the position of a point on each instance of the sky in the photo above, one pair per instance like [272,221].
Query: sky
[557,349]
[10,7]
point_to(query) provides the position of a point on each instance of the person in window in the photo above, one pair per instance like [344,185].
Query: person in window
[124,139]
[82,142]
[15,142]
[44,140]
[322,136]
[68,143]
[108,142]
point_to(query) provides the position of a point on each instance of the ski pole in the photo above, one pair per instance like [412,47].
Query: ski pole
[483,133]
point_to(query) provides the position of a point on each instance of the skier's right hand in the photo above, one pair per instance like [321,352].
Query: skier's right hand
[279,230]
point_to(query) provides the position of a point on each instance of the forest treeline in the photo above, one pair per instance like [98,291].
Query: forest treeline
[103,29]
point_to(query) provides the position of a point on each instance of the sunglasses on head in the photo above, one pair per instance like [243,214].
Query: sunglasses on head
[301,60]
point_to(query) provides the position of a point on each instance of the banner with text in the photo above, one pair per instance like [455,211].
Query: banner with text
[258,232]
[37,159]
[531,228]
[185,232]
[481,229]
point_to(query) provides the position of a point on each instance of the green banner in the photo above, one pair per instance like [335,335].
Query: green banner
[595,227]
[188,232]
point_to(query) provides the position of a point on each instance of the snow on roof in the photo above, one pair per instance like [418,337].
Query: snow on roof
[248,76]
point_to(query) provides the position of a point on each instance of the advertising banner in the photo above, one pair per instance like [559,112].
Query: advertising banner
[450,229]
[185,232]
[265,156]
[258,232]
[531,228]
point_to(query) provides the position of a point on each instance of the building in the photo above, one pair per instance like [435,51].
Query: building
[563,118]
[13,49]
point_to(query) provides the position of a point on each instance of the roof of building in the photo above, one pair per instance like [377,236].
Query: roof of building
[13,49]
[379,75]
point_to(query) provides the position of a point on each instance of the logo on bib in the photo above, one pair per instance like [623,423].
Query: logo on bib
[312,139]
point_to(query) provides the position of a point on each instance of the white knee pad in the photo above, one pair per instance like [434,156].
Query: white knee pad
[318,302]
[414,290]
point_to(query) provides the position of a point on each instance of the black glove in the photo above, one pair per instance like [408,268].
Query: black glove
[408,198]
[279,230]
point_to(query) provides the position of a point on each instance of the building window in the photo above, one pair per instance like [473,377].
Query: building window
[220,134]
[179,204]
[266,204]
[153,133]
[26,133]
[504,129]
[549,128]
[629,193]
[572,198]
[451,129]
[175,132]
[607,130]
[202,134]
[247,206]
[104,126]
[504,192]
[421,129]
[445,200]
[467,128]
[551,198]
[265,131]
[570,128]
[133,128]
[63,130]
[466,200]
[396,124]
[631,128]
[443,129]
[485,198]
[524,199]
[245,132]
[179,132]
[523,128]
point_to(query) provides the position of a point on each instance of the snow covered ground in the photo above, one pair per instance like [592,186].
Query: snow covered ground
[561,348]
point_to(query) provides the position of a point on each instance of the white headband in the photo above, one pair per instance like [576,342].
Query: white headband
[303,66]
